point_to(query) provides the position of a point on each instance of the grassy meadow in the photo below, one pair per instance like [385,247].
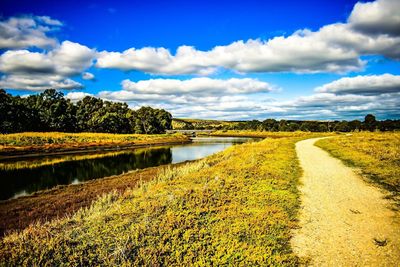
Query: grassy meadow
[376,154]
[48,141]
[236,207]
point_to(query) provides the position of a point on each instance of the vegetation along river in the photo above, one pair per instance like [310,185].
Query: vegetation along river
[28,175]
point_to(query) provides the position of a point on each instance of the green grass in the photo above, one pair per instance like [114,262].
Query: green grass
[376,154]
[236,208]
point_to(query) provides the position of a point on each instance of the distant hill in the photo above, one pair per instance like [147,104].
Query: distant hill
[186,124]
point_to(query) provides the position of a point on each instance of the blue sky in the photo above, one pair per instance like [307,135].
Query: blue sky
[210,59]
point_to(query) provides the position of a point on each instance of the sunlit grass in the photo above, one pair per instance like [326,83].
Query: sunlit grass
[376,154]
[35,138]
[236,207]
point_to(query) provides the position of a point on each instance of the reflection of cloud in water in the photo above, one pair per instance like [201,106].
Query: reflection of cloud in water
[182,153]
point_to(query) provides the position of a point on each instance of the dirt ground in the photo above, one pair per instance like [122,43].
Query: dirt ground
[343,220]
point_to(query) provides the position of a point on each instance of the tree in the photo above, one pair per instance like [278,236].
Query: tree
[370,122]
[50,111]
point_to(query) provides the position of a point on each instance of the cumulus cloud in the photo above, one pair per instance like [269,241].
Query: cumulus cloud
[186,99]
[302,52]
[88,76]
[158,60]
[28,70]
[363,85]
[349,106]
[28,31]
[76,96]
[333,48]
[379,17]
[197,97]
[199,86]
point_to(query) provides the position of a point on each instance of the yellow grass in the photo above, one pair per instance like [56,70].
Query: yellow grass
[236,207]
[376,154]
[35,138]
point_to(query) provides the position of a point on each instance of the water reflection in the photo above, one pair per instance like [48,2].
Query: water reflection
[25,181]
[22,177]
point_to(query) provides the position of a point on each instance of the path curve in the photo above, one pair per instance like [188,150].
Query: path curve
[343,220]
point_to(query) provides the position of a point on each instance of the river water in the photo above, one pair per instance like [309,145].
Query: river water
[20,177]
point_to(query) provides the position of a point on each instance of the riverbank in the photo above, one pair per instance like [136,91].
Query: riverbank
[236,206]
[54,143]
[58,202]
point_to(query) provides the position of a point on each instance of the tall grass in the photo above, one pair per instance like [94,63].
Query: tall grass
[376,154]
[48,138]
[234,208]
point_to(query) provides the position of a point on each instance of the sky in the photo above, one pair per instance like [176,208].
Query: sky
[230,60]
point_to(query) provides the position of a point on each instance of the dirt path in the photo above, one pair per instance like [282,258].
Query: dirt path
[344,221]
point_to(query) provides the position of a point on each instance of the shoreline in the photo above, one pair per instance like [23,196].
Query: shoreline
[60,201]
[6,155]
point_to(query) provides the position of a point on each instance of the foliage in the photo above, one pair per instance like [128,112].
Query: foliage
[50,111]
[260,134]
[376,154]
[189,124]
[369,124]
[236,207]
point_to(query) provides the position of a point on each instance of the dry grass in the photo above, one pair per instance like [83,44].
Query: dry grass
[234,208]
[21,143]
[376,154]
[17,214]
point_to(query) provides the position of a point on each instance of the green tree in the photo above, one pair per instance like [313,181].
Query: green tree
[370,122]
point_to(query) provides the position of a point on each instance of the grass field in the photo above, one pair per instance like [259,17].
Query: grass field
[236,207]
[376,154]
[54,141]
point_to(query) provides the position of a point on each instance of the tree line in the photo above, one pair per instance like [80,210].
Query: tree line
[368,124]
[51,111]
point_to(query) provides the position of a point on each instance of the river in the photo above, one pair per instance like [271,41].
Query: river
[20,177]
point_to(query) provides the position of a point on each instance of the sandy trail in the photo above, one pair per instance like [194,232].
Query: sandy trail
[342,218]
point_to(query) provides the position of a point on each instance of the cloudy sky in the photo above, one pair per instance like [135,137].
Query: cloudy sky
[232,60]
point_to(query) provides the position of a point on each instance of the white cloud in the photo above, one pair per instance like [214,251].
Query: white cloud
[302,52]
[349,106]
[363,85]
[186,100]
[76,96]
[88,76]
[28,31]
[333,48]
[157,60]
[198,86]
[379,17]
[38,82]
[37,71]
